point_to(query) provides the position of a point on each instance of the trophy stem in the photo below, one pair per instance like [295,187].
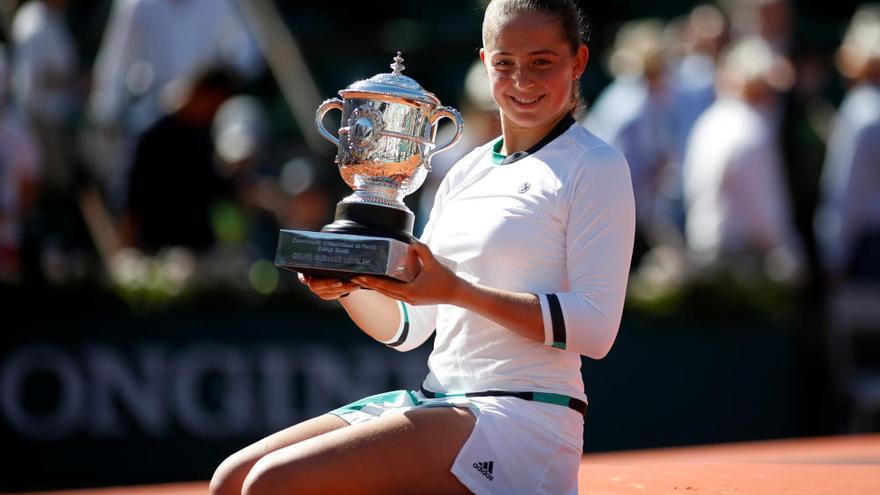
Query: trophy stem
[377,194]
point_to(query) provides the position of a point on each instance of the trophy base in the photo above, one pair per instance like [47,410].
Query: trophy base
[342,256]
[372,220]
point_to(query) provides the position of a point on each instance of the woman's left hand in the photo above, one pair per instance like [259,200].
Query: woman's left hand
[435,283]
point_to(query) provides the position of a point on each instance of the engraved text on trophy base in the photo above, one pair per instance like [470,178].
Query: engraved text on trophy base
[344,254]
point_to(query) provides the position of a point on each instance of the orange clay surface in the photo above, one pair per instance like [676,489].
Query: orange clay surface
[847,465]
[828,466]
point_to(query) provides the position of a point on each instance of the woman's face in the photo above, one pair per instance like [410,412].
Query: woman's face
[532,69]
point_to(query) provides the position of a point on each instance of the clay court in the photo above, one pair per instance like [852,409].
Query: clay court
[845,465]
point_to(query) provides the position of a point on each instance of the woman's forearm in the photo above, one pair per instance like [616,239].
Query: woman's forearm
[518,312]
[377,315]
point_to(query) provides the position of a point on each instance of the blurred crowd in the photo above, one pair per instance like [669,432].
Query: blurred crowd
[741,165]
[153,164]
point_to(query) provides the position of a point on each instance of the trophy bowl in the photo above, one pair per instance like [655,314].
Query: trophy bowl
[385,143]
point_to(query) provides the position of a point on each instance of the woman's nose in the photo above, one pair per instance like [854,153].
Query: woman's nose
[522,77]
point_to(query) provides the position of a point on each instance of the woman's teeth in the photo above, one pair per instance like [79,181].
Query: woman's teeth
[525,101]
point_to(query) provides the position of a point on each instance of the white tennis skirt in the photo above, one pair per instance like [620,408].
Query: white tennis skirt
[517,446]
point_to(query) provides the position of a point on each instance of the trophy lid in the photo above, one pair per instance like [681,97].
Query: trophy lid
[393,84]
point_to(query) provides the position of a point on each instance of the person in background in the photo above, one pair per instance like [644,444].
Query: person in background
[175,182]
[635,114]
[19,181]
[150,43]
[701,37]
[848,218]
[738,213]
[147,45]
[769,20]
[43,86]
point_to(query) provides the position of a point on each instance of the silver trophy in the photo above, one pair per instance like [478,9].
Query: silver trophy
[386,141]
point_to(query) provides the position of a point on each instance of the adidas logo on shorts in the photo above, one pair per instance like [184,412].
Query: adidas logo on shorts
[485,468]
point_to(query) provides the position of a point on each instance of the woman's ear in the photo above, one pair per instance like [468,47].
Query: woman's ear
[580,60]
[483,55]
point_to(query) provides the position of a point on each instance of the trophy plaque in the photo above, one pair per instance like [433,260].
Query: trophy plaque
[385,143]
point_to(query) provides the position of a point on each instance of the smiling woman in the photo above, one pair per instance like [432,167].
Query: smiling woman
[533,71]
[535,233]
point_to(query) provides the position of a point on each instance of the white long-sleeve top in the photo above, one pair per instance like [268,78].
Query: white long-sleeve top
[558,223]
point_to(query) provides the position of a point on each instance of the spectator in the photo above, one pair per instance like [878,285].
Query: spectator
[147,45]
[150,43]
[848,221]
[44,71]
[694,44]
[704,35]
[769,20]
[738,213]
[19,182]
[175,183]
[635,114]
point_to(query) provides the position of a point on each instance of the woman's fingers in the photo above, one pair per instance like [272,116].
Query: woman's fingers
[386,287]
[330,296]
[423,251]
[336,292]
[374,283]
[328,288]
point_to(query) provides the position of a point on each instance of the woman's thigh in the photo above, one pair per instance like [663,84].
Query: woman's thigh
[410,452]
[230,475]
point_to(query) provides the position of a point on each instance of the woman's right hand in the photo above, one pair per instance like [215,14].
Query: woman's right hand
[328,289]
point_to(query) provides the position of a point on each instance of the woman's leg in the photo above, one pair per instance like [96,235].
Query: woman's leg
[230,475]
[411,452]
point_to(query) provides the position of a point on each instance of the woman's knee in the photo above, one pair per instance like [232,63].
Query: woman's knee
[268,475]
[230,475]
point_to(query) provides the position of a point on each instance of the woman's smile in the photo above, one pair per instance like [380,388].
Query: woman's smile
[525,102]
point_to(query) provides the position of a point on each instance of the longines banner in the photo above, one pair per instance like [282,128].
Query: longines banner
[92,393]
[136,399]
[207,390]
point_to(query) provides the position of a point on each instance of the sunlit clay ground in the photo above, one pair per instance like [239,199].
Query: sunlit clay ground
[827,466]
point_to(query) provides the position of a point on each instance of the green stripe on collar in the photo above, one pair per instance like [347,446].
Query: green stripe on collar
[563,125]
[497,157]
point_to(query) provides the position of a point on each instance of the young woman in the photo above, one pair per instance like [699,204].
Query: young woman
[539,226]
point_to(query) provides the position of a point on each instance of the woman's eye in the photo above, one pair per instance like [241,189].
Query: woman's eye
[542,61]
[502,64]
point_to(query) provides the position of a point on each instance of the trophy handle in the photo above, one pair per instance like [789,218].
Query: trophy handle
[449,113]
[326,106]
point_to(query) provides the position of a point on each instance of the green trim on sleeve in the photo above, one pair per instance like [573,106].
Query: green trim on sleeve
[405,312]
[404,327]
